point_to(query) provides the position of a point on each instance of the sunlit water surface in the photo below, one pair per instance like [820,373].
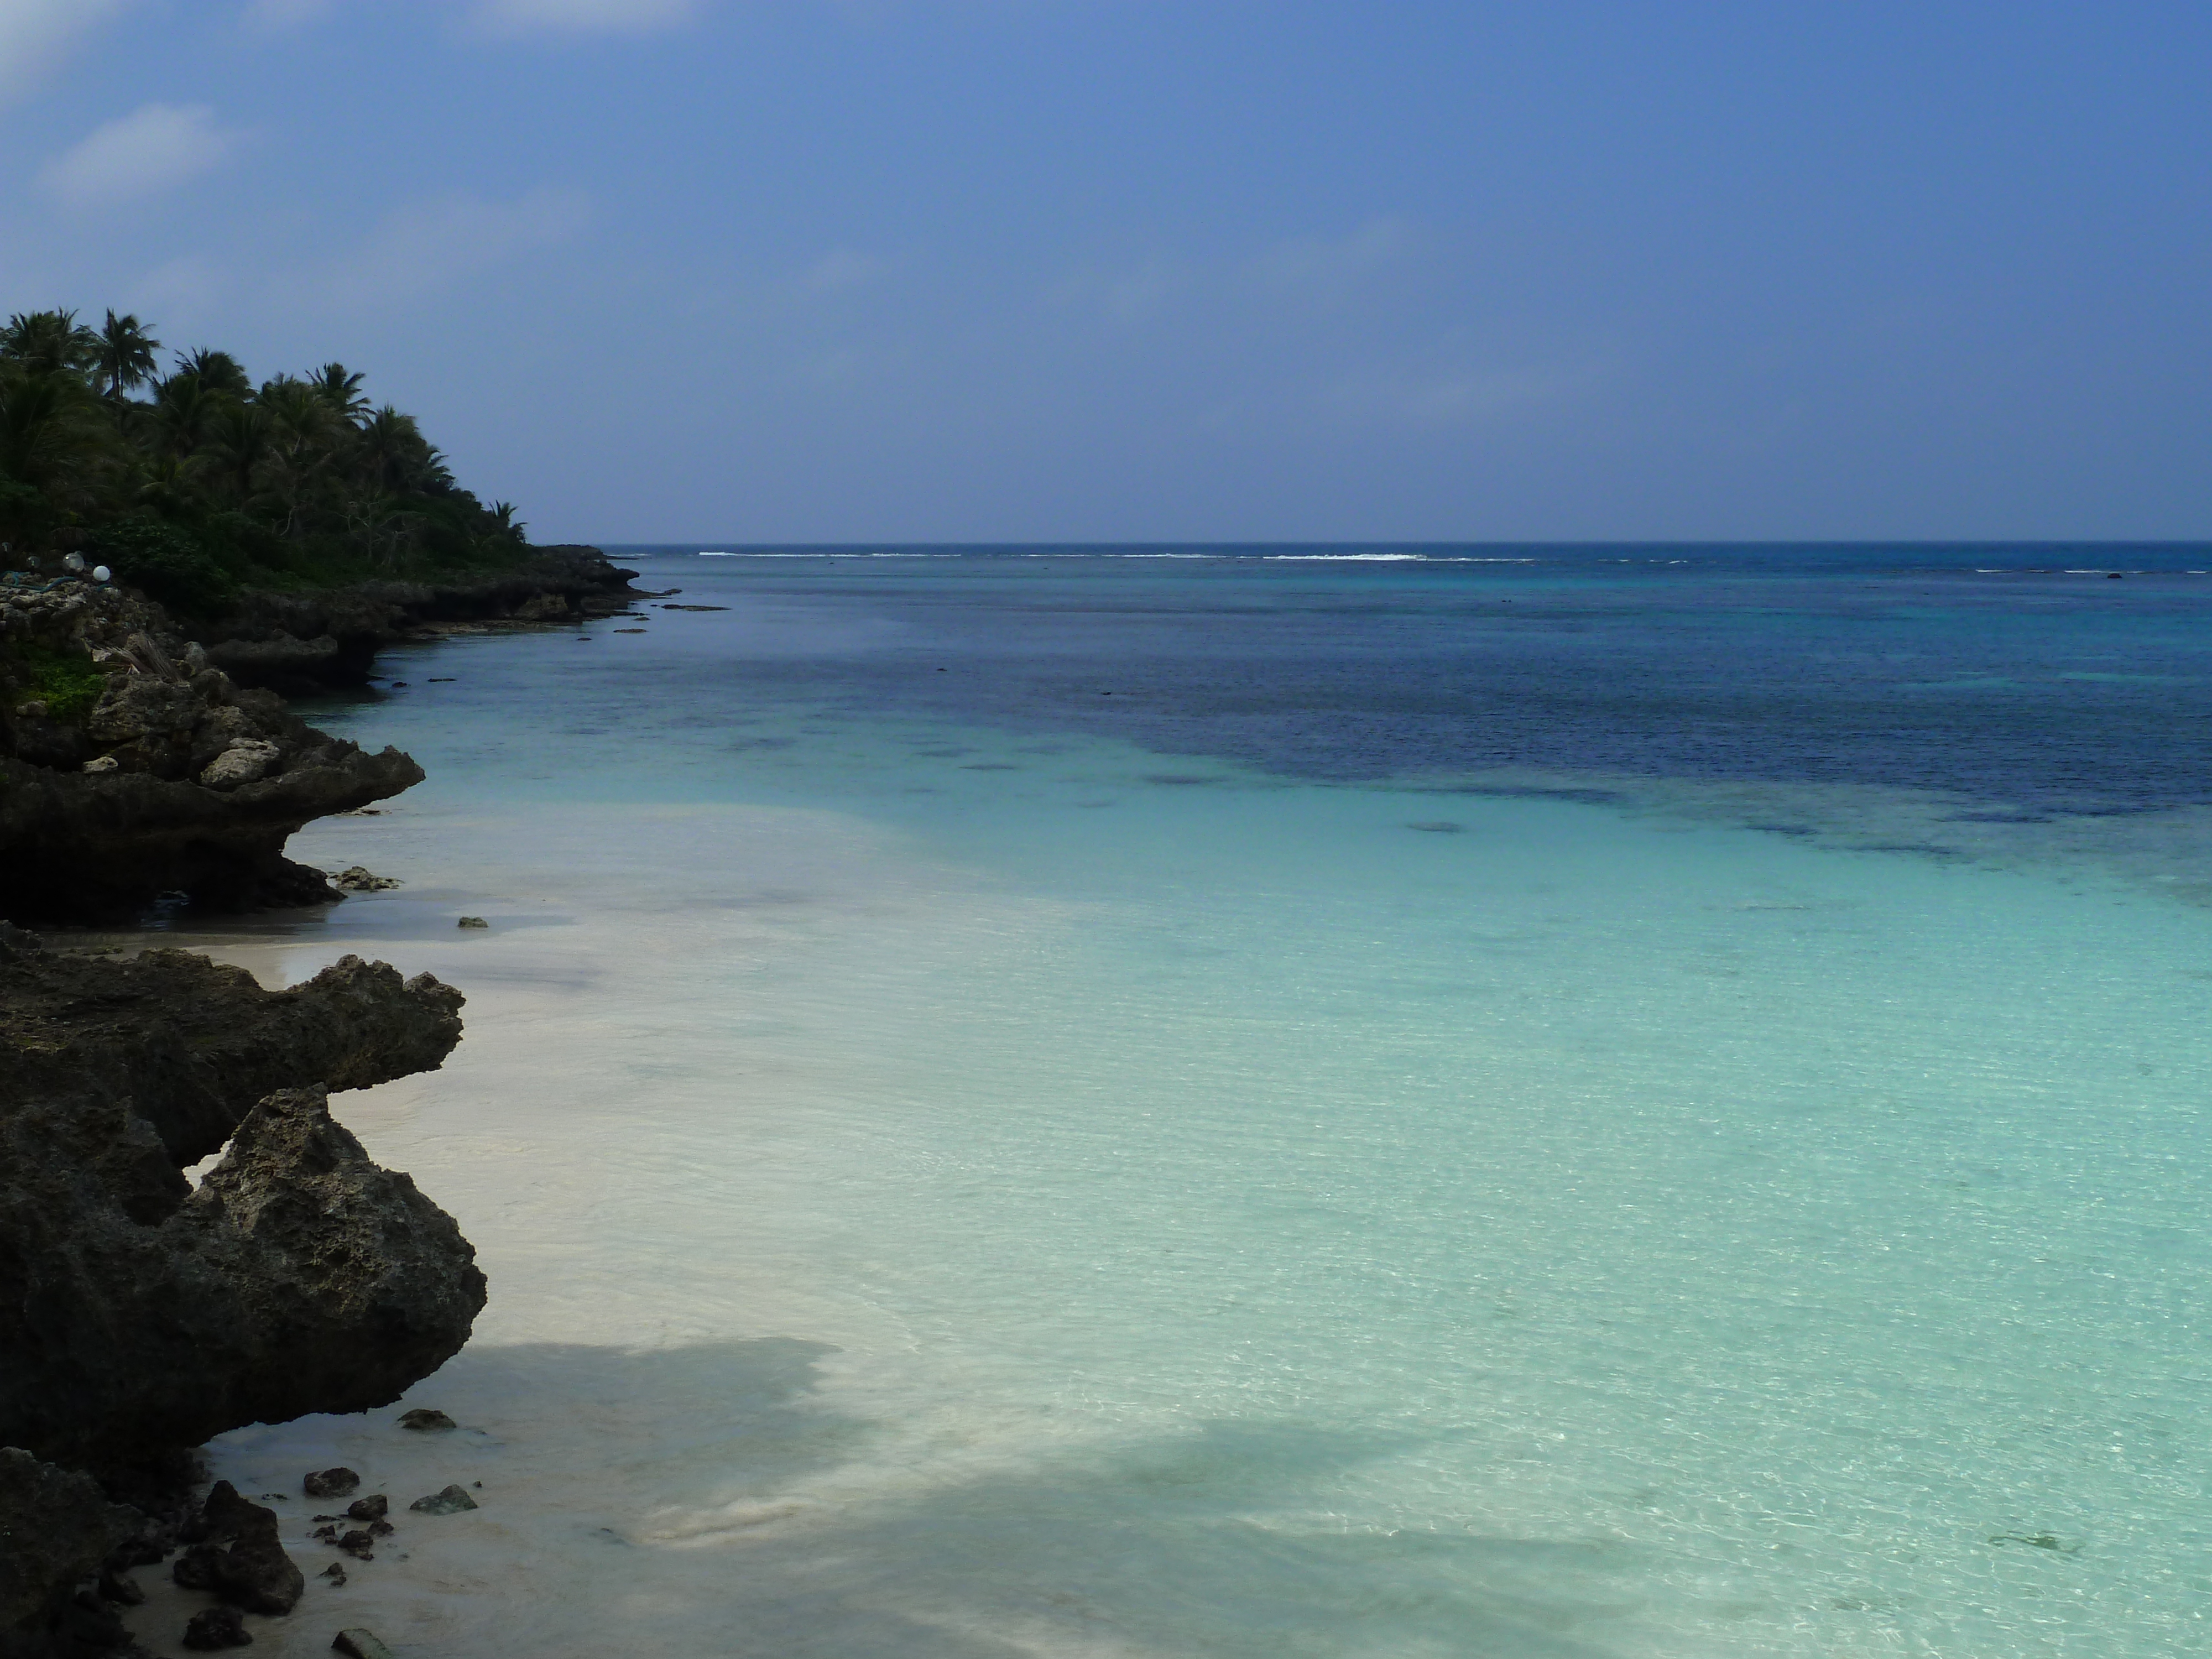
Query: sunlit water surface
[1296,1165]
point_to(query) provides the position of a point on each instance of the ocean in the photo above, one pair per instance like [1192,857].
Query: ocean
[1610,1102]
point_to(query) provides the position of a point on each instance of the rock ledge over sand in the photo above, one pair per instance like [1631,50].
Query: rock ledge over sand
[140,1315]
[130,767]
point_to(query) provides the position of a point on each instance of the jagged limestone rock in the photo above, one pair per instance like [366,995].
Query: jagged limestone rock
[129,768]
[139,1313]
[246,760]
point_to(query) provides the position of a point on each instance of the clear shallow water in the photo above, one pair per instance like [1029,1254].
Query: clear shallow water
[964,1173]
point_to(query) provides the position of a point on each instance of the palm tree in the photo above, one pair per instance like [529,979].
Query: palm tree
[54,437]
[240,433]
[341,391]
[49,342]
[181,417]
[125,355]
[217,371]
[91,435]
[393,455]
[304,435]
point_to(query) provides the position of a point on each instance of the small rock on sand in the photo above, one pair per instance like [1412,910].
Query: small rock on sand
[332,1483]
[215,1627]
[199,1568]
[423,1419]
[451,1501]
[242,1555]
[473,921]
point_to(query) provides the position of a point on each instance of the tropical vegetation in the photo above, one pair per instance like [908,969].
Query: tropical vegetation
[195,483]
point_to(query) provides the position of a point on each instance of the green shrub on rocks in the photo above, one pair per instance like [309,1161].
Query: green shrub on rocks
[167,564]
[68,685]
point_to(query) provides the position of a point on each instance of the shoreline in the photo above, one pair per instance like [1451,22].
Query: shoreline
[569,1143]
[187,774]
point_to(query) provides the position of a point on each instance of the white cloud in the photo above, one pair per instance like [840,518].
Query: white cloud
[1318,270]
[150,149]
[1131,295]
[427,244]
[839,269]
[35,33]
[583,16]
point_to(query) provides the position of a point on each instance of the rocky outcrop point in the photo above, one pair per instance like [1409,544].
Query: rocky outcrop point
[301,642]
[131,766]
[139,1313]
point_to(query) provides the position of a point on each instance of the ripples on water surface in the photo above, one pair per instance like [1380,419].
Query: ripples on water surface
[1613,1103]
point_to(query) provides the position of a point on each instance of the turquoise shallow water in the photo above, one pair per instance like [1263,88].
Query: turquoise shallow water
[971,1182]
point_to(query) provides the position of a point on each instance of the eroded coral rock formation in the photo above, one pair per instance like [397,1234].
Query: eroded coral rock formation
[298,642]
[130,767]
[139,1313]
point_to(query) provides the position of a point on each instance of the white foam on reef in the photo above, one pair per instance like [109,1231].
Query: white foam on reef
[971,1198]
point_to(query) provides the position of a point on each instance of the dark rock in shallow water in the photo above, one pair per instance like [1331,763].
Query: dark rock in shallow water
[336,1573]
[370,1509]
[252,1568]
[360,1645]
[451,1501]
[424,1420]
[355,879]
[332,1483]
[359,1543]
[215,1627]
[307,642]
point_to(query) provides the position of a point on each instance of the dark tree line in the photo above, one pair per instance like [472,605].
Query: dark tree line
[196,482]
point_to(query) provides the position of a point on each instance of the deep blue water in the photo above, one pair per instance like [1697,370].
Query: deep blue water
[2024,676]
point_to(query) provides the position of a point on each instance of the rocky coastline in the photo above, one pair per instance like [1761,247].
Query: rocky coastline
[136,763]
[142,1313]
[300,643]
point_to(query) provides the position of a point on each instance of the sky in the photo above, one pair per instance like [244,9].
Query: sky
[953,270]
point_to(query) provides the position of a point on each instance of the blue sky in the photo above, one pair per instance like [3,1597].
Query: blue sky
[1085,269]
